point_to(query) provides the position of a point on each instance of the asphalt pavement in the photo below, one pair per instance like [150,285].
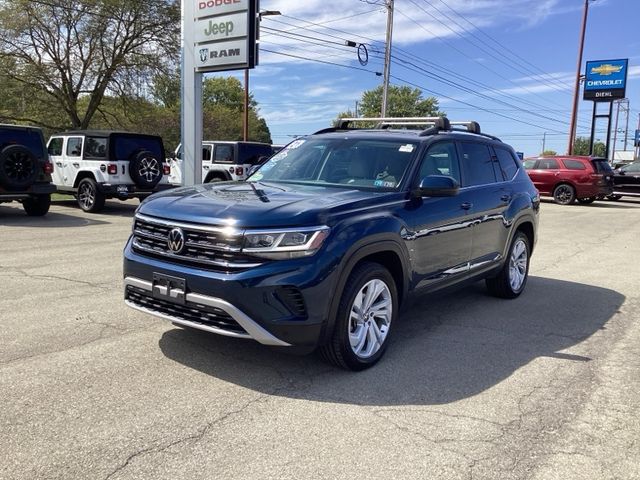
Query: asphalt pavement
[546,386]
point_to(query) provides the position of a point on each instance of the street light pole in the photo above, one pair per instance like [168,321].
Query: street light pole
[387,57]
[576,90]
[245,121]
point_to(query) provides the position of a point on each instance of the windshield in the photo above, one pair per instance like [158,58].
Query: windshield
[377,164]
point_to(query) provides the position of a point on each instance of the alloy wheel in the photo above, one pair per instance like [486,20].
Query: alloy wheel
[86,195]
[370,318]
[518,265]
[149,169]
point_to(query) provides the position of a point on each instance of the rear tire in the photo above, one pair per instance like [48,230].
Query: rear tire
[564,194]
[512,279]
[90,199]
[367,308]
[586,201]
[37,206]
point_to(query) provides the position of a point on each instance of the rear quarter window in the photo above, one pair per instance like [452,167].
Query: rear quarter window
[574,164]
[508,163]
[601,166]
[253,154]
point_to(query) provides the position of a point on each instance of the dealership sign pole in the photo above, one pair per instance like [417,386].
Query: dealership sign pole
[605,81]
[217,35]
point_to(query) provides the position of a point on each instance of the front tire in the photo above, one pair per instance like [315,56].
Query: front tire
[564,194]
[367,308]
[512,279]
[90,199]
[37,206]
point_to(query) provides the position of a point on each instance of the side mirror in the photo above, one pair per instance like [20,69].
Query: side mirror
[438,186]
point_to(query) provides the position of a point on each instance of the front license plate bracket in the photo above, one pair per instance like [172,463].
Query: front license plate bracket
[171,289]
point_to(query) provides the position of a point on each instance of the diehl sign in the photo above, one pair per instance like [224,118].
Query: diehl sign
[605,80]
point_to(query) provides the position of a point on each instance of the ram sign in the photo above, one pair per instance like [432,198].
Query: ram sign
[605,80]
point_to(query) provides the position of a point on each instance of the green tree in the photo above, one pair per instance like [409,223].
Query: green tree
[76,52]
[549,153]
[581,147]
[401,102]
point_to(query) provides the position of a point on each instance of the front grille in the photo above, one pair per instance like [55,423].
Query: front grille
[192,312]
[211,247]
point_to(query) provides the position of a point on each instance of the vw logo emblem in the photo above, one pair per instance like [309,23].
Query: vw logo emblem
[175,240]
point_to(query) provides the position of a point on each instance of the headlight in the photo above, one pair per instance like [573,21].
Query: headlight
[283,244]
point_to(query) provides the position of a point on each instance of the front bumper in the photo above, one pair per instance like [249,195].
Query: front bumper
[282,303]
[248,327]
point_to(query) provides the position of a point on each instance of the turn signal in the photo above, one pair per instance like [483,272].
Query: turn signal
[166,169]
[48,168]
[112,169]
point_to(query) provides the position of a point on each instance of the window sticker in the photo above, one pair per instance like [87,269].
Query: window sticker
[256,177]
[382,183]
[295,144]
[406,148]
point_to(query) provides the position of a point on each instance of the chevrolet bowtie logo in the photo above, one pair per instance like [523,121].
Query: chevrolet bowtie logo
[175,240]
[606,69]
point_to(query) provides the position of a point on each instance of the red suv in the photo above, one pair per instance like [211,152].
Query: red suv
[567,178]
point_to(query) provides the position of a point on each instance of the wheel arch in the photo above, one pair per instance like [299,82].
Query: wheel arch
[82,175]
[386,251]
[221,174]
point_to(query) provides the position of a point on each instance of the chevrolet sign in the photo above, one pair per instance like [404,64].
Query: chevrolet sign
[605,80]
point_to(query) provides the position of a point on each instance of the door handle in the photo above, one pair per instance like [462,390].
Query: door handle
[59,164]
[76,164]
[466,205]
[505,197]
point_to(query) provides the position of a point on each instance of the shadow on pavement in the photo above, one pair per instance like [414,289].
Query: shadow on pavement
[443,350]
[111,207]
[15,217]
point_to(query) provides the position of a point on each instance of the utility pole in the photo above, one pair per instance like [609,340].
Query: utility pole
[626,128]
[387,57]
[636,155]
[544,141]
[615,132]
[356,112]
[576,90]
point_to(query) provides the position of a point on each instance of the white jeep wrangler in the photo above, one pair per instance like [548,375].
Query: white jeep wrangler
[223,160]
[96,165]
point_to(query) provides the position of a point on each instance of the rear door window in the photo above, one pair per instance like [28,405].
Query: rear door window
[548,164]
[206,153]
[74,146]
[478,164]
[529,164]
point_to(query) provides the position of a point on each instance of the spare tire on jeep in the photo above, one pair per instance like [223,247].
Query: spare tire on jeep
[18,167]
[145,169]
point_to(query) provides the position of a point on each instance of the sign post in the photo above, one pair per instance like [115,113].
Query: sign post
[217,35]
[605,81]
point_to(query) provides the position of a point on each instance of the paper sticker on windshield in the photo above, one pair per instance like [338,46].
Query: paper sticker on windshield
[406,148]
[278,156]
[257,176]
[295,144]
[382,183]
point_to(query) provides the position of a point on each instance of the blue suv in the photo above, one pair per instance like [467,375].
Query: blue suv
[321,246]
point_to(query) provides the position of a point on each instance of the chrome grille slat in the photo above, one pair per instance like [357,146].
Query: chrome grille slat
[209,247]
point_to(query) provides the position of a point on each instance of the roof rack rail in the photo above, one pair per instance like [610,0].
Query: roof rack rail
[433,124]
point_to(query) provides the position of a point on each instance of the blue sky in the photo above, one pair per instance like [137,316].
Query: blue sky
[522,52]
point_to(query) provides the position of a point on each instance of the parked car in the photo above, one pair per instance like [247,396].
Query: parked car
[626,181]
[567,178]
[222,160]
[25,169]
[323,244]
[97,165]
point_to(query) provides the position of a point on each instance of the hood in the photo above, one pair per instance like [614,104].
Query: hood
[258,205]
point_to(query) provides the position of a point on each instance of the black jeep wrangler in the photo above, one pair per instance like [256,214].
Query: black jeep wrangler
[25,170]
